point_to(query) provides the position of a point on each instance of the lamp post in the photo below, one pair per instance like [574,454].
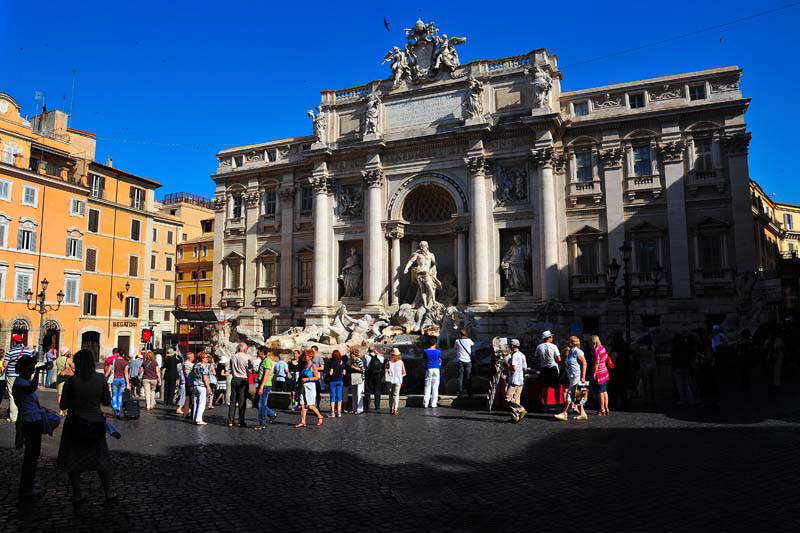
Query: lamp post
[625,291]
[40,306]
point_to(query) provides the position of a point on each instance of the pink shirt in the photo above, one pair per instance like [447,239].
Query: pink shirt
[603,363]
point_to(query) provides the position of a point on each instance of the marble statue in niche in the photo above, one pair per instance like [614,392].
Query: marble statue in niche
[542,83]
[372,115]
[474,99]
[515,267]
[352,275]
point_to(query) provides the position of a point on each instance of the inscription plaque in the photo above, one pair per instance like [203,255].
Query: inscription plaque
[423,111]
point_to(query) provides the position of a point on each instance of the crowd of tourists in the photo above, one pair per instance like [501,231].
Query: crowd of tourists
[193,383]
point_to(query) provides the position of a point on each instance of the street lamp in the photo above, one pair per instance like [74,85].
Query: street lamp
[625,291]
[40,306]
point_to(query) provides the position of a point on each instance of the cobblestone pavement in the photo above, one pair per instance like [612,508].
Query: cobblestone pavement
[444,469]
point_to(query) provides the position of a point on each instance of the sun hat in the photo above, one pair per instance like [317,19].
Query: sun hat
[514,342]
[546,334]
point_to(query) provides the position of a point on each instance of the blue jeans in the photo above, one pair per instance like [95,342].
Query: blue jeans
[336,391]
[263,410]
[117,388]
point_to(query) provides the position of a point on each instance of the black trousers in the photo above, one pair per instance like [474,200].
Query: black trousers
[372,387]
[32,438]
[239,388]
[464,377]
[169,390]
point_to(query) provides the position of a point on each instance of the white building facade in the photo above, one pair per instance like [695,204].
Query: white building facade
[523,193]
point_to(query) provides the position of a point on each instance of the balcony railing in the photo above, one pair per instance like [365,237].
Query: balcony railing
[639,184]
[718,278]
[232,293]
[705,178]
[588,284]
[584,189]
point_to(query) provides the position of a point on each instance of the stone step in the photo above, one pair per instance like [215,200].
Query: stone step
[280,400]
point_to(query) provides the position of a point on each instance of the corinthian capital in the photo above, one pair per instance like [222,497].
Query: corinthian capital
[672,151]
[373,177]
[737,144]
[219,203]
[319,182]
[476,164]
[286,194]
[612,158]
[549,158]
[252,198]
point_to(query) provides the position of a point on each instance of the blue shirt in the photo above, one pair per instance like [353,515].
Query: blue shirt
[11,358]
[433,358]
[27,403]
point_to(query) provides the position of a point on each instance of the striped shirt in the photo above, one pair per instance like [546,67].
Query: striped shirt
[12,356]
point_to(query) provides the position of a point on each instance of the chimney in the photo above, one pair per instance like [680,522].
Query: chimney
[109,161]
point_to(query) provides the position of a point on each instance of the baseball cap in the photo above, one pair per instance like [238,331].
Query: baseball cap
[514,342]
[16,338]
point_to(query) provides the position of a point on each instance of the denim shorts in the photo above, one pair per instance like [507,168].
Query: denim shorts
[602,387]
[336,391]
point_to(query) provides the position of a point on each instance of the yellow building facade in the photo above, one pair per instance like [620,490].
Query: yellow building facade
[194,270]
[42,209]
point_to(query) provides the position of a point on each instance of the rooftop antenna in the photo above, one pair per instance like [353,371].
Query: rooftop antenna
[72,96]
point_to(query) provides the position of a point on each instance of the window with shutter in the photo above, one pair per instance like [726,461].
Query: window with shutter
[26,240]
[152,290]
[152,262]
[94,221]
[169,237]
[91,260]
[5,190]
[74,248]
[136,227]
[3,233]
[2,283]
[71,290]
[133,266]
[23,284]
[167,292]
[97,185]
[29,195]
[169,264]
[166,316]
[155,235]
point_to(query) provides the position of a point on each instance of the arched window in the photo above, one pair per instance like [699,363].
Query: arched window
[428,203]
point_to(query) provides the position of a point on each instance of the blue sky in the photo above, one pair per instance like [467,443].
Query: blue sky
[165,85]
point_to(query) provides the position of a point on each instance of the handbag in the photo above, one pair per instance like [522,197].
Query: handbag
[50,421]
[67,371]
[356,378]
[387,375]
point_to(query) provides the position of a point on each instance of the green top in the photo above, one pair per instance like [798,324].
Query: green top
[266,364]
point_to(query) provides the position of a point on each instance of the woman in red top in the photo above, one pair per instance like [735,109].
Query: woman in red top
[602,362]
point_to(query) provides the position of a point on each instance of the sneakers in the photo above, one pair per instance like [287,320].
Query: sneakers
[562,416]
[259,428]
[581,417]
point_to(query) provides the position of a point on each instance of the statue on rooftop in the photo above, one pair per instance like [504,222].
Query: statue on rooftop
[320,122]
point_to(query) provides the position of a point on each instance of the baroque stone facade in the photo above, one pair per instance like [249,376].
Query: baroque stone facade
[524,194]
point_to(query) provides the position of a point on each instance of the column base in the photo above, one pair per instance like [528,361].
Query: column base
[480,307]
[317,316]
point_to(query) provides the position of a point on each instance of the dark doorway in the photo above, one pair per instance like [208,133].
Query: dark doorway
[52,335]
[124,344]
[91,341]
[20,327]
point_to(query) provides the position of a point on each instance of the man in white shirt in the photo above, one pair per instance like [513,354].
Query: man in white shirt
[464,358]
[516,380]
[547,357]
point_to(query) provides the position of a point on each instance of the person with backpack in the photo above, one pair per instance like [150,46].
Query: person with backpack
[464,357]
[373,376]
[201,373]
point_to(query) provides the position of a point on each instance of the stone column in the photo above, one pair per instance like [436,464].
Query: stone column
[611,158]
[394,232]
[322,225]
[736,148]
[543,159]
[461,267]
[249,280]
[373,264]
[672,156]
[479,242]
[285,284]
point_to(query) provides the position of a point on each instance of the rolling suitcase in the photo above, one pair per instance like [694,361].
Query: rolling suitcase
[130,407]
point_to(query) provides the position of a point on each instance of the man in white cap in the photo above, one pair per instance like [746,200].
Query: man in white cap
[547,356]
[516,380]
